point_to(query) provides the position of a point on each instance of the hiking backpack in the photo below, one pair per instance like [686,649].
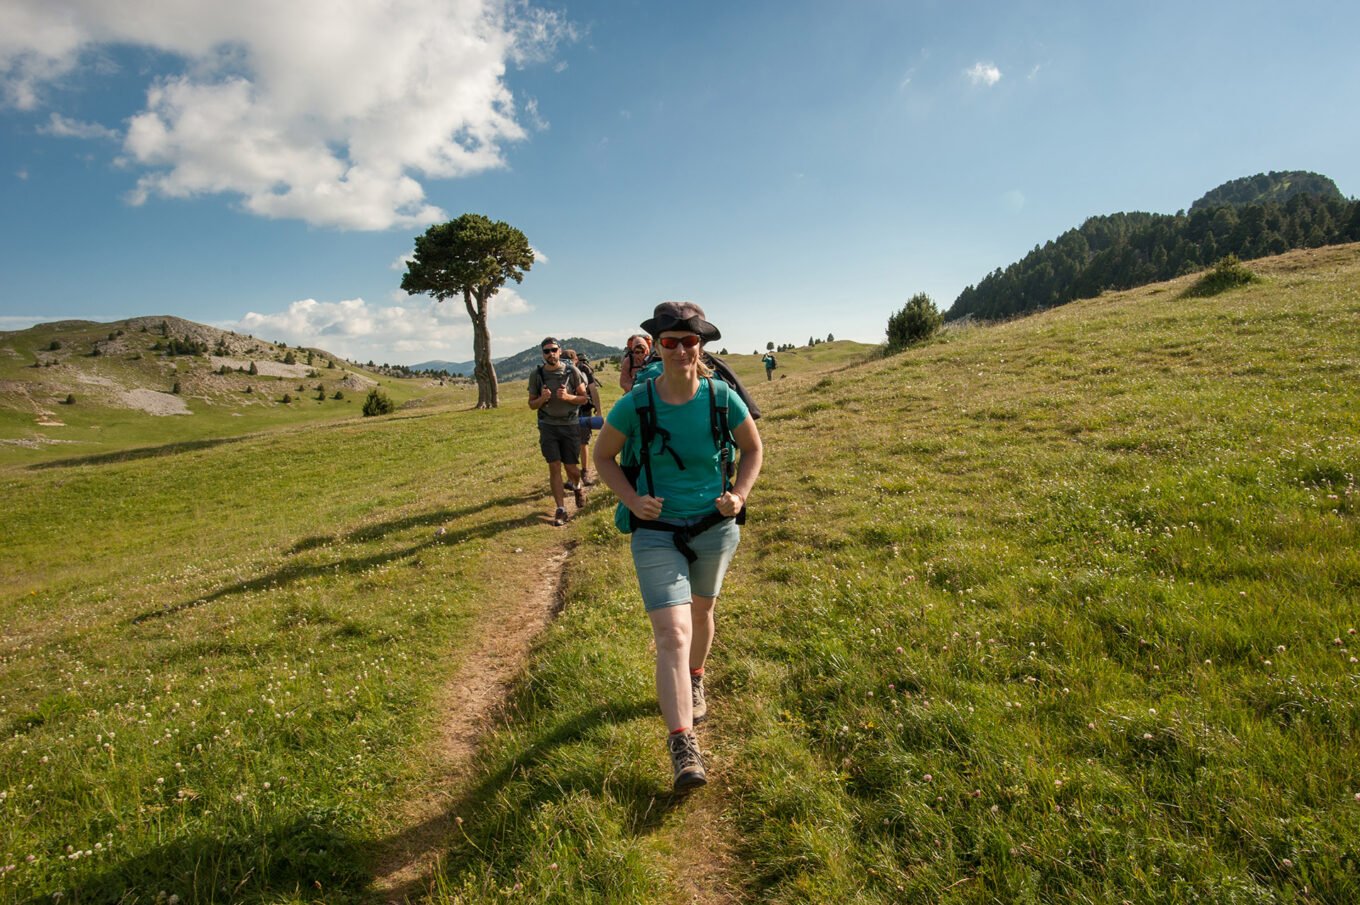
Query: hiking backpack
[652,368]
[644,401]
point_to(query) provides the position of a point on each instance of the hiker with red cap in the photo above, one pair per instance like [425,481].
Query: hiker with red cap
[683,498]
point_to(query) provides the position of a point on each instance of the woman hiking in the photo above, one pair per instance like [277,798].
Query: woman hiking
[683,511]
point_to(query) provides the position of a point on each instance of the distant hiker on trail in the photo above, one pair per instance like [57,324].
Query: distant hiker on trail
[635,355]
[683,509]
[591,408]
[770,365]
[557,391]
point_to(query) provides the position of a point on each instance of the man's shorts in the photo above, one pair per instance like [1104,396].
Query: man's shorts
[560,442]
[667,579]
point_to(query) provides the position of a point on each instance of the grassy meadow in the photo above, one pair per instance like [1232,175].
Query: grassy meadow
[1060,610]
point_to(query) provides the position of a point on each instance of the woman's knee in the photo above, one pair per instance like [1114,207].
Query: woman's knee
[672,638]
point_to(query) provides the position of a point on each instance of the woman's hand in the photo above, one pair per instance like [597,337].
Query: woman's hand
[730,503]
[647,508]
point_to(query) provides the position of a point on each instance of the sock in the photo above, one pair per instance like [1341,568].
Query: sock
[679,731]
[697,672]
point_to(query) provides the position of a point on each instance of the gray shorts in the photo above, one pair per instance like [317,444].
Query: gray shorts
[667,579]
[560,442]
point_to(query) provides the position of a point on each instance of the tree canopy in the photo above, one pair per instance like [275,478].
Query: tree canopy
[470,258]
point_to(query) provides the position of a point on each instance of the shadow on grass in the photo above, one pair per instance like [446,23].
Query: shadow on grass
[644,801]
[309,857]
[405,523]
[144,452]
[295,572]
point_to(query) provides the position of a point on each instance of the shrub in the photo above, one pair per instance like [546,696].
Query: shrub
[287,398]
[70,399]
[378,403]
[54,345]
[1228,273]
[916,322]
[175,389]
[253,369]
[338,395]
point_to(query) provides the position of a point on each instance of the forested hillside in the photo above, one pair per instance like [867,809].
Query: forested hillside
[1124,250]
[1266,187]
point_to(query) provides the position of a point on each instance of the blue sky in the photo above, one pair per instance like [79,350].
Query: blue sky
[797,168]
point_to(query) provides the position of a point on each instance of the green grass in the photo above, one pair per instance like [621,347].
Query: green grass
[217,664]
[1053,611]
[1057,611]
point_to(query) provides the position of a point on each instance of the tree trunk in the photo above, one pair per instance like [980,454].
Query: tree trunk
[488,394]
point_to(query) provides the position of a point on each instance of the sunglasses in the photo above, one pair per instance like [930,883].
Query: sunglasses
[671,342]
[638,349]
[552,351]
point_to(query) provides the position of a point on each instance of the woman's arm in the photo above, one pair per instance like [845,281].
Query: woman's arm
[607,448]
[748,468]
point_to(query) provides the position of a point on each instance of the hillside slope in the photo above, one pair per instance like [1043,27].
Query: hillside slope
[79,388]
[1055,611]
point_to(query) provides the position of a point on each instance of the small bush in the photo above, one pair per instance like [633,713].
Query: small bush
[378,403]
[175,389]
[70,399]
[1228,273]
[916,322]
[287,398]
[338,395]
[54,345]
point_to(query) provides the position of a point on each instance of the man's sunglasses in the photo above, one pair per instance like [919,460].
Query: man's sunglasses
[671,342]
[552,351]
[638,349]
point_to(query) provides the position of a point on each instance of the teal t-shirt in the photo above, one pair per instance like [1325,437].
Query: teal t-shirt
[688,492]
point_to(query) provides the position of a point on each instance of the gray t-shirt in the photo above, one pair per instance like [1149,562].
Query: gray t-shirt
[555,411]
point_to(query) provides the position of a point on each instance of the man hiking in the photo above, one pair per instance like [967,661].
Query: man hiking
[770,365]
[557,391]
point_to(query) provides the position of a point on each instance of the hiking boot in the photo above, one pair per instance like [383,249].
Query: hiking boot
[560,518]
[588,480]
[696,685]
[686,760]
[579,493]
[568,485]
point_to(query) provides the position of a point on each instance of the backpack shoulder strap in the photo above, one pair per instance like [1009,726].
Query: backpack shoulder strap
[646,412]
[722,433]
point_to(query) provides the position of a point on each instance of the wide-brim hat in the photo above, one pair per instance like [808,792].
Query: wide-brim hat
[680,316]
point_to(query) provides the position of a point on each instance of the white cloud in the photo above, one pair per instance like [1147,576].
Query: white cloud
[539,257]
[62,127]
[419,327]
[328,111]
[1013,200]
[985,74]
[22,175]
[535,119]
[401,262]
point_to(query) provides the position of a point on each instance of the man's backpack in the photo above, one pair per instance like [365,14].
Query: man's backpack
[566,377]
[643,397]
